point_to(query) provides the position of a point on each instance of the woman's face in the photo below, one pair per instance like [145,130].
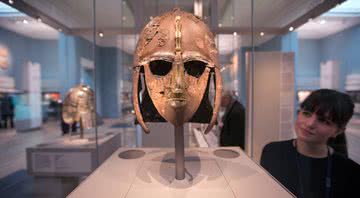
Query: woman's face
[312,128]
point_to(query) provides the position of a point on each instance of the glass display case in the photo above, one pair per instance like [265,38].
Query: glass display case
[267,61]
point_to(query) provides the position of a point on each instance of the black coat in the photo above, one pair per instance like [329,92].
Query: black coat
[233,130]
[305,176]
[7,106]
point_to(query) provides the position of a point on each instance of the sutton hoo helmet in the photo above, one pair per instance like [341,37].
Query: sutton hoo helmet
[177,54]
[79,106]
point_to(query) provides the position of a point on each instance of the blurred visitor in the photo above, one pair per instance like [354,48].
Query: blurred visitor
[7,111]
[233,121]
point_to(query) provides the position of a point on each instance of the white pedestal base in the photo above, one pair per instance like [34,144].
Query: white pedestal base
[152,174]
[58,166]
[70,156]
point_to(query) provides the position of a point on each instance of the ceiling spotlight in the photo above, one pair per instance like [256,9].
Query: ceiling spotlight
[234,33]
[322,21]
[11,1]
[262,33]
[124,18]
[101,34]
[291,28]
[220,25]
[25,21]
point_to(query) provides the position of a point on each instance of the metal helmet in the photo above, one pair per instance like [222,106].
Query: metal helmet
[78,106]
[177,54]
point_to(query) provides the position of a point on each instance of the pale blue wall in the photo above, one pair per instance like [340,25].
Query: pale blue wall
[289,43]
[107,65]
[22,50]
[113,64]
[17,46]
[25,49]
[69,69]
[343,47]
[45,52]
[61,69]
[71,50]
[308,70]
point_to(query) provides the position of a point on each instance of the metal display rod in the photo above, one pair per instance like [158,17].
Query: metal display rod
[179,152]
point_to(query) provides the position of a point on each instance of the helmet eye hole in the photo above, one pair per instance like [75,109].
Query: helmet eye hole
[195,68]
[160,67]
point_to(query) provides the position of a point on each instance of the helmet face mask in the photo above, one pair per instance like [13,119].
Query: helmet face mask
[177,54]
[175,93]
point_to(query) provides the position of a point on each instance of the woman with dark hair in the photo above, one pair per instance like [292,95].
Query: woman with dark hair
[307,165]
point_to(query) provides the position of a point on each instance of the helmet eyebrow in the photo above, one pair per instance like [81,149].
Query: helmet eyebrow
[166,56]
[193,55]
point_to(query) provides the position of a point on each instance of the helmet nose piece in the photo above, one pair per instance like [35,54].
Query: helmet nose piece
[179,82]
[179,74]
[177,97]
[178,93]
[178,88]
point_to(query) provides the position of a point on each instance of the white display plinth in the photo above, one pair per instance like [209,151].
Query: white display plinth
[70,156]
[58,166]
[153,175]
